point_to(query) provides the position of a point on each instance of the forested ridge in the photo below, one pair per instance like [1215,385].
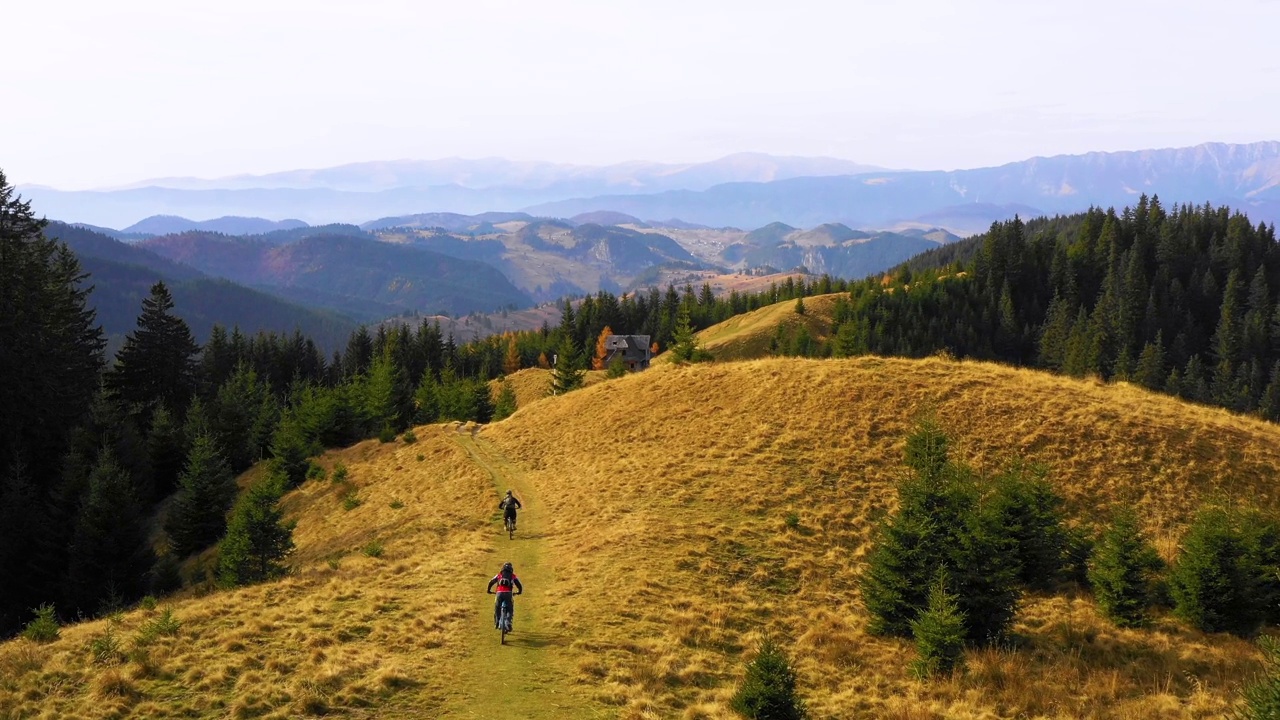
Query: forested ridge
[1184,301]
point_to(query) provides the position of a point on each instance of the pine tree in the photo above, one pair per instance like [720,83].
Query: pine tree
[292,447]
[505,405]
[1261,695]
[206,489]
[426,399]
[1269,406]
[567,375]
[167,449]
[1151,372]
[108,554]
[241,418]
[939,633]
[1228,340]
[1211,582]
[1029,514]
[1121,570]
[984,575]
[768,692]
[800,306]
[257,539]
[684,346]
[157,363]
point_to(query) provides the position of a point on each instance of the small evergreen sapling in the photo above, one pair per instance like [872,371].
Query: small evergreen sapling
[257,538]
[939,633]
[1121,569]
[1261,696]
[768,692]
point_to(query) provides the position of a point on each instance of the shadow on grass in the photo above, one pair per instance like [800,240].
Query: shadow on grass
[536,640]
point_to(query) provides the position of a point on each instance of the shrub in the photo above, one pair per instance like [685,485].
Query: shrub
[1211,582]
[340,473]
[1121,571]
[505,405]
[44,627]
[351,501]
[939,633]
[373,549]
[616,369]
[1077,551]
[396,504]
[792,520]
[768,691]
[148,603]
[315,472]
[387,434]
[1261,696]
[409,437]
[421,457]
[163,625]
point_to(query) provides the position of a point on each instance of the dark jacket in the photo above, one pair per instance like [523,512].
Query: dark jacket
[510,504]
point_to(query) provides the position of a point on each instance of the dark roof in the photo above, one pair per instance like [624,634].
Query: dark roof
[627,342]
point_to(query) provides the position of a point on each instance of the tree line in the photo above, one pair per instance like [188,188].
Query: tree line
[1183,301]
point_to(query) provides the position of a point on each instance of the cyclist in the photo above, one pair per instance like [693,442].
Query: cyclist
[505,580]
[509,505]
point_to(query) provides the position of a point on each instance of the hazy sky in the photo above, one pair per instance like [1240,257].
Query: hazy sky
[100,93]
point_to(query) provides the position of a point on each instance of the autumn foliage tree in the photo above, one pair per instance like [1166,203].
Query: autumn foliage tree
[511,363]
[602,350]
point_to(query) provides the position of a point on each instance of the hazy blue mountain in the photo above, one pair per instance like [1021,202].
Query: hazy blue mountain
[1246,176]
[122,275]
[606,217]
[356,193]
[228,225]
[348,273]
[634,176]
[453,222]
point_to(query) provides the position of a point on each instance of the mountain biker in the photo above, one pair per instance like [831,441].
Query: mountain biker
[509,505]
[504,580]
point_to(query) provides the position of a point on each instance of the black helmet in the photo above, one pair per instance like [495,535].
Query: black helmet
[508,492]
[506,567]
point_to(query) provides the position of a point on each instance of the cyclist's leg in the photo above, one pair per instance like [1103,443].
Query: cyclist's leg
[497,610]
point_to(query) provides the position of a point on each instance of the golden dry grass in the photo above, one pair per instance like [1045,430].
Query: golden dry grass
[668,492]
[343,633]
[657,554]
[747,336]
[534,384]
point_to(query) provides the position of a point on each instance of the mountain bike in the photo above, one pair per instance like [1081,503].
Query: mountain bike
[504,622]
[510,523]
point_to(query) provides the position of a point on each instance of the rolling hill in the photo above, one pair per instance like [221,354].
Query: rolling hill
[656,551]
[348,273]
[122,275]
[171,224]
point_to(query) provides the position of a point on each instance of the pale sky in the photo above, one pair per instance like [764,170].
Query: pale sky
[104,93]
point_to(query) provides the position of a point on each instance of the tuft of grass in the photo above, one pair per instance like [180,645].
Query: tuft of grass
[409,437]
[396,504]
[148,603]
[315,472]
[421,457]
[44,627]
[373,549]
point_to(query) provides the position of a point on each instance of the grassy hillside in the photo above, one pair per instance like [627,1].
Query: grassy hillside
[747,336]
[656,551]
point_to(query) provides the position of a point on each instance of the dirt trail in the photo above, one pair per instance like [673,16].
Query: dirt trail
[527,677]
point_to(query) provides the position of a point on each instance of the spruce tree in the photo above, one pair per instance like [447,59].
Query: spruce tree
[1121,571]
[157,363]
[567,375]
[257,539]
[108,554]
[768,692]
[939,633]
[198,516]
[1029,514]
[1261,696]
[684,347]
[1151,372]
[505,405]
[1211,581]
[167,449]
[242,417]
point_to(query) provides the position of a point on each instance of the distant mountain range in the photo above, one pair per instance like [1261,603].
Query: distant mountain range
[1246,177]
[744,191]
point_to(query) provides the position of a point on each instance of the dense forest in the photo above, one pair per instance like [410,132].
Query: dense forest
[1185,301]
[117,473]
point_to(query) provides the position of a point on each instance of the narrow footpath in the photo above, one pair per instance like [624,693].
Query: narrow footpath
[527,677]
